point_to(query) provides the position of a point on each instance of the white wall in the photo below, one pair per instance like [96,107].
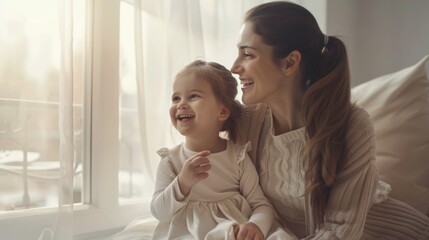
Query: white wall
[381,36]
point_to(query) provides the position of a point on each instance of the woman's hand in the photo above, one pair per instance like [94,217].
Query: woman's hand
[248,231]
[194,170]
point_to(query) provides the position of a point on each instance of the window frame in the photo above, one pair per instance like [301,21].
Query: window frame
[104,208]
[101,213]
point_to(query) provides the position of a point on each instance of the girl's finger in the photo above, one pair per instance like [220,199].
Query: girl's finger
[199,161]
[203,168]
[204,153]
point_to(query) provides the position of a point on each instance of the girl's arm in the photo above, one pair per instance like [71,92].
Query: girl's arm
[354,187]
[167,198]
[171,189]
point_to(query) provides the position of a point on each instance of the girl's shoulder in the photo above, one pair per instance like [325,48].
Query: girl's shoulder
[170,154]
[170,158]
[240,151]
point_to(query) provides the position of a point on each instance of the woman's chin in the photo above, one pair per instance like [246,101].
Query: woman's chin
[248,96]
[247,100]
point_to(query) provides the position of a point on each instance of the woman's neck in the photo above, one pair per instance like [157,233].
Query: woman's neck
[286,115]
[286,104]
[213,144]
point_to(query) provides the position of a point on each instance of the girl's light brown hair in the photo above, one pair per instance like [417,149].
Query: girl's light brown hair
[224,86]
[326,80]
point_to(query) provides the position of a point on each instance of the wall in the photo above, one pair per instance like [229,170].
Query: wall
[382,36]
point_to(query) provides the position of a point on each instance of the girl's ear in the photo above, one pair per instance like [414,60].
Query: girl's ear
[224,114]
[291,63]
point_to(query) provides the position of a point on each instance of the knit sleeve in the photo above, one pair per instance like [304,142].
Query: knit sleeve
[352,193]
[250,127]
[167,198]
[262,211]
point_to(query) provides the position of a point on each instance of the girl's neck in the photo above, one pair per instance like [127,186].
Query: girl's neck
[214,144]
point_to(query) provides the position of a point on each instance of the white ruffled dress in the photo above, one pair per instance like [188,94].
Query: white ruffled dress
[231,194]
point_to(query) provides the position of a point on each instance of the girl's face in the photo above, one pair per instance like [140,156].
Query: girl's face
[195,111]
[261,78]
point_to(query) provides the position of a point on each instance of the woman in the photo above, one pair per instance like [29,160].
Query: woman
[314,150]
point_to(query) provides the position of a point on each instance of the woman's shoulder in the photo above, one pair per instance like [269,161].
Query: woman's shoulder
[251,119]
[359,120]
[254,111]
[360,130]
[360,114]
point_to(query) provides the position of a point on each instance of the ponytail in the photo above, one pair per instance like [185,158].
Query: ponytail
[326,108]
[286,27]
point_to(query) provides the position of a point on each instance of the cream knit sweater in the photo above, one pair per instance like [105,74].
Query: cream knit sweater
[355,190]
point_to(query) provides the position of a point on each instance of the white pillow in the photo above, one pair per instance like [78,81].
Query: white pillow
[398,104]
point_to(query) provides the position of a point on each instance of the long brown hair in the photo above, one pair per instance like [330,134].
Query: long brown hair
[224,86]
[326,79]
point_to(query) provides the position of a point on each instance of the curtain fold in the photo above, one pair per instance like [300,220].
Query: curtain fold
[142,103]
[168,35]
[64,229]
[62,221]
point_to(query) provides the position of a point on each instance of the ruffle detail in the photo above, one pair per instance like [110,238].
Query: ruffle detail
[382,191]
[163,152]
[242,151]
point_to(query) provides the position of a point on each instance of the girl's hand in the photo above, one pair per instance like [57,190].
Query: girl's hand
[194,170]
[248,231]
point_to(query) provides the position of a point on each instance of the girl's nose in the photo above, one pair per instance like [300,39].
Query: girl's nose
[182,105]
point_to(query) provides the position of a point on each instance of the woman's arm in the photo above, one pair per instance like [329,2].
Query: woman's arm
[250,128]
[353,190]
[262,210]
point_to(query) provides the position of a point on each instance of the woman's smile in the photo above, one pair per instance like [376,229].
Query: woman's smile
[245,83]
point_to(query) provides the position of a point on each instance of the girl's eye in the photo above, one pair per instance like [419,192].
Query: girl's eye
[193,96]
[175,99]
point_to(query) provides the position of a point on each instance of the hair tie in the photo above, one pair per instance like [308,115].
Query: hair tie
[325,42]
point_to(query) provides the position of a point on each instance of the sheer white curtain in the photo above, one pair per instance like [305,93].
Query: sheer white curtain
[38,105]
[62,221]
[64,228]
[168,35]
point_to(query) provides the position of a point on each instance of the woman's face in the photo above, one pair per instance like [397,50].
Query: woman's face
[261,78]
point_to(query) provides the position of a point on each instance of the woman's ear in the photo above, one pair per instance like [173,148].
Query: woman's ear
[291,63]
[224,114]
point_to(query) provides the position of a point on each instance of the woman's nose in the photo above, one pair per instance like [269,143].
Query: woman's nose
[236,67]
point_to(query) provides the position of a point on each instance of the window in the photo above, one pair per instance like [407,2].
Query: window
[119,121]
[29,104]
[106,144]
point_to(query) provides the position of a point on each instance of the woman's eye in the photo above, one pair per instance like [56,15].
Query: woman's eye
[247,55]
